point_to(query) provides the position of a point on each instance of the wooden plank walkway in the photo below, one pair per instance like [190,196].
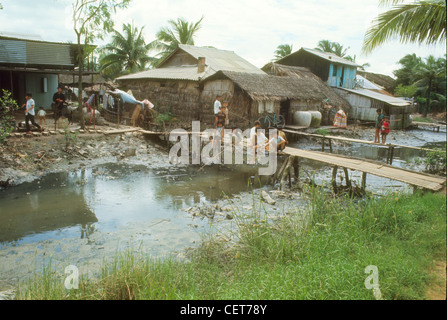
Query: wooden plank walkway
[436,126]
[329,137]
[425,181]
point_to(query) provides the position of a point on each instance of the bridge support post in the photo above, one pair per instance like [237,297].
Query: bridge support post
[363,184]
[348,181]
[334,181]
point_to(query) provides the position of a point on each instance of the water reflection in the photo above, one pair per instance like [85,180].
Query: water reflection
[109,197]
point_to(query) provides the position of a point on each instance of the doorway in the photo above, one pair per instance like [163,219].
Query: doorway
[284,110]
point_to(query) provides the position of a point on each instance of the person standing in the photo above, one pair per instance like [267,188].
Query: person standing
[225,105]
[380,117]
[59,101]
[219,124]
[385,129]
[30,112]
[217,105]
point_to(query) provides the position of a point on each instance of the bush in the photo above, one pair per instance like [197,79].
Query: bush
[7,107]
[435,162]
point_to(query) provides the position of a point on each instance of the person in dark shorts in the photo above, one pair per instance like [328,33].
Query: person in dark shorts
[30,112]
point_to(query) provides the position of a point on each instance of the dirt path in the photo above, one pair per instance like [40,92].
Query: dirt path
[437,290]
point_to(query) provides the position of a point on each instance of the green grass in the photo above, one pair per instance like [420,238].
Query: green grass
[320,253]
[422,119]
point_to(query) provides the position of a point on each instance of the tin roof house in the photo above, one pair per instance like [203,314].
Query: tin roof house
[29,64]
[363,96]
[187,82]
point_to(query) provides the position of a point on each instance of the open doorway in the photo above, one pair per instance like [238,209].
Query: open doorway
[284,110]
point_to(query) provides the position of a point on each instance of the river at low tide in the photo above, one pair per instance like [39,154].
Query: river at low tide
[79,217]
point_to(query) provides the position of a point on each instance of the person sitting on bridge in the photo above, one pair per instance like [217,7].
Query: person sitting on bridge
[280,142]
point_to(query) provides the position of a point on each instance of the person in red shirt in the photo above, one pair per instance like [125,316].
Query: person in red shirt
[385,129]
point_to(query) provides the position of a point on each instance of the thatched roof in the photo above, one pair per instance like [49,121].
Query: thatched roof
[295,83]
[68,79]
[303,75]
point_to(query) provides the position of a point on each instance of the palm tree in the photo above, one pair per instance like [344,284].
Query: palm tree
[421,22]
[178,32]
[127,53]
[332,47]
[405,75]
[283,50]
[324,46]
[427,73]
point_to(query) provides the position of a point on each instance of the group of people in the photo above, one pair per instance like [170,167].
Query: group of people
[257,138]
[382,127]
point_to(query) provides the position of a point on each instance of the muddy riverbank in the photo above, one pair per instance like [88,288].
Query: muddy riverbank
[83,204]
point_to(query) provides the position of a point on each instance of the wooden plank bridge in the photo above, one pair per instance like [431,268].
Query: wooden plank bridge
[413,178]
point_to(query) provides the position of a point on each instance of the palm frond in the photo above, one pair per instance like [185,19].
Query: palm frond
[421,22]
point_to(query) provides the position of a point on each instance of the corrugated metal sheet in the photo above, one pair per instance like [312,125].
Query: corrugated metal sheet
[12,51]
[331,57]
[35,53]
[171,73]
[381,97]
[48,54]
[221,59]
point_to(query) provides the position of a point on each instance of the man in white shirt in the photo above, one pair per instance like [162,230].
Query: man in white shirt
[217,105]
[30,112]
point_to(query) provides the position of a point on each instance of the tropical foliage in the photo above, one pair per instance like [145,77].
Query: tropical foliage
[283,50]
[177,32]
[127,53]
[423,79]
[7,107]
[339,50]
[421,22]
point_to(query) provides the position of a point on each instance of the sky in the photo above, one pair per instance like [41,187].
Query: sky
[251,28]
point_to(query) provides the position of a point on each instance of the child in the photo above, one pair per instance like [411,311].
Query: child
[220,121]
[380,117]
[385,129]
[42,115]
[225,104]
[30,113]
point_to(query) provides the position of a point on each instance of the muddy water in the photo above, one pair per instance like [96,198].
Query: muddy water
[83,216]
[87,214]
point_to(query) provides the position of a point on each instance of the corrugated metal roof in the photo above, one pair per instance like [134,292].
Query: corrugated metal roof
[171,73]
[331,57]
[215,60]
[381,97]
[221,59]
[35,53]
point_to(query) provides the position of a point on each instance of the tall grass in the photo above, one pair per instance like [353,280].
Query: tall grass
[319,253]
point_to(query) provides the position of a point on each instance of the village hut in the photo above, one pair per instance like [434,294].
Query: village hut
[311,93]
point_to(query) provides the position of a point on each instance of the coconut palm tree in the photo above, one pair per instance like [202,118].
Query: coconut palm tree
[127,53]
[427,74]
[332,47]
[178,32]
[421,22]
[283,50]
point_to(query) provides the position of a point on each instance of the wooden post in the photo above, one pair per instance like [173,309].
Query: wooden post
[391,155]
[296,169]
[348,181]
[330,145]
[322,146]
[334,181]
[363,182]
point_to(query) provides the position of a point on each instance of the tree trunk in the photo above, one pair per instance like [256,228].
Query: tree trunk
[427,101]
[81,69]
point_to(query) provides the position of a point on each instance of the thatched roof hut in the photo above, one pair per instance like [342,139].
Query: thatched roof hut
[307,85]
